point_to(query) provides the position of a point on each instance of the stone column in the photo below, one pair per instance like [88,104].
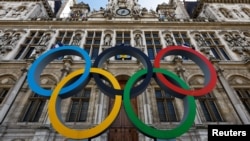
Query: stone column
[13,93]
[236,103]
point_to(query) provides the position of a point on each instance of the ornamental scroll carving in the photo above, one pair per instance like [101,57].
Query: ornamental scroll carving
[9,40]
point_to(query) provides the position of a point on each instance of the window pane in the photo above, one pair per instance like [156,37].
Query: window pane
[84,110]
[3,93]
[20,52]
[79,106]
[126,35]
[158,93]
[224,54]
[34,109]
[161,111]
[155,35]
[69,34]
[89,41]
[205,111]
[184,35]
[73,111]
[157,41]
[119,35]
[97,42]
[149,42]
[216,55]
[90,34]
[94,53]
[171,111]
[147,35]
[98,34]
[215,111]
[118,42]
[126,42]
[151,53]
[39,111]
[87,49]
[27,115]
[30,51]
[176,35]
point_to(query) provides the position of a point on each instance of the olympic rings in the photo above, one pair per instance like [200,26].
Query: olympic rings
[55,102]
[203,62]
[189,109]
[66,87]
[39,64]
[123,50]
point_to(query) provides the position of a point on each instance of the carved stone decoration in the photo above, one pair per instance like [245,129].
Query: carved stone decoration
[9,40]
[3,11]
[226,13]
[5,43]
[47,79]
[246,11]
[7,80]
[196,80]
[238,80]
[229,39]
[5,39]
[15,38]
[108,13]
[136,11]
[40,48]
[238,13]
[200,40]
[80,11]
[166,11]
[235,40]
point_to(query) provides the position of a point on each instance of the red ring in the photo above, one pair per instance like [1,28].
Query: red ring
[199,59]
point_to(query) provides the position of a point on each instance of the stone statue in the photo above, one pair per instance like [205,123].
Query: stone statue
[76,39]
[44,40]
[200,41]
[138,40]
[169,40]
[107,40]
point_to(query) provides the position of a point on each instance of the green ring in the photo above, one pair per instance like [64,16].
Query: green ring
[189,109]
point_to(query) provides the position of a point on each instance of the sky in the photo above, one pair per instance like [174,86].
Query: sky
[149,4]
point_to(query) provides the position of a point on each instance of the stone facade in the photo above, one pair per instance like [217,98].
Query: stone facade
[219,30]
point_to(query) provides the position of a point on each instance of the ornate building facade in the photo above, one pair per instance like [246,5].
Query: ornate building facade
[218,29]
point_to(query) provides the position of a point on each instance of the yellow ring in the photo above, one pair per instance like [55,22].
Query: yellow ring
[94,131]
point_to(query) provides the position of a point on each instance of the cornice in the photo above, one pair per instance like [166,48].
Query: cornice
[128,24]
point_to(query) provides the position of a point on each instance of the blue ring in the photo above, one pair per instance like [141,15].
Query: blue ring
[40,63]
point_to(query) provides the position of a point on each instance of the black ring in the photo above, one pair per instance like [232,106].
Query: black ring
[128,50]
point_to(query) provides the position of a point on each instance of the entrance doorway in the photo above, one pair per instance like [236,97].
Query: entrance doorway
[122,129]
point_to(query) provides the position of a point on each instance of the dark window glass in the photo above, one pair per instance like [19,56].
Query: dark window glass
[34,109]
[151,53]
[79,106]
